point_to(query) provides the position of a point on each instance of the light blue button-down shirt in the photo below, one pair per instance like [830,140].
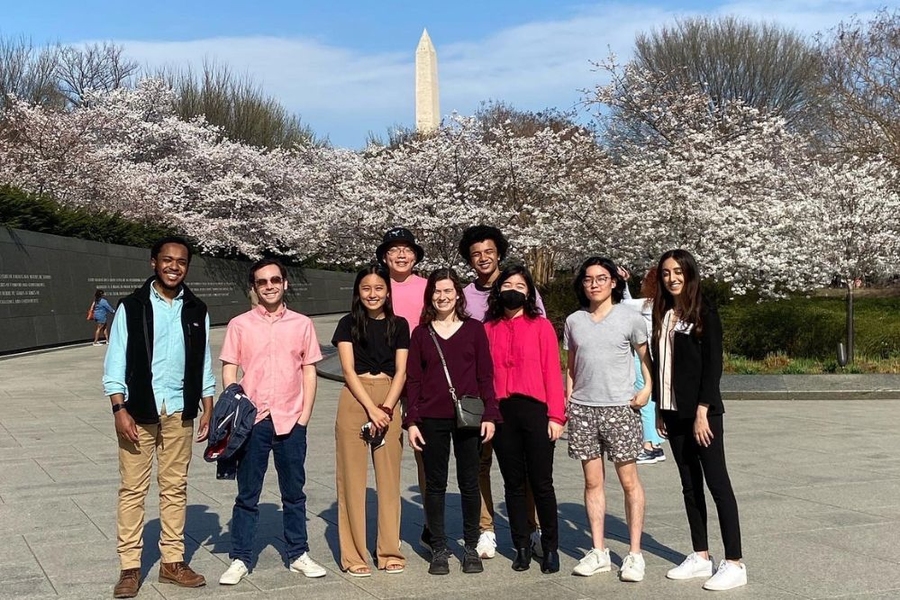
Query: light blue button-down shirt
[168,355]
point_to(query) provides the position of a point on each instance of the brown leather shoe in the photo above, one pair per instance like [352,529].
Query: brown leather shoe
[129,584]
[181,574]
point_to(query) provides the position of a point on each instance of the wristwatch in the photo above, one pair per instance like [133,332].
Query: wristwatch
[117,407]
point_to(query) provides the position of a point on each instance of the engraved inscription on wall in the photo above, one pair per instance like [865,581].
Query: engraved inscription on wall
[22,288]
[115,287]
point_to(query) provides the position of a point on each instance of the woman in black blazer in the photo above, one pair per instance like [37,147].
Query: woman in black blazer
[687,345]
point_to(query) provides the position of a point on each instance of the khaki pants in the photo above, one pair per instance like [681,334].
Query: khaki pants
[352,472]
[170,441]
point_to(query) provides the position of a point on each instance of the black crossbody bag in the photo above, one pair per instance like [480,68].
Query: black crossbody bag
[469,409]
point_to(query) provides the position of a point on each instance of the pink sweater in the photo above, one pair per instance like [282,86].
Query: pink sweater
[408,298]
[525,352]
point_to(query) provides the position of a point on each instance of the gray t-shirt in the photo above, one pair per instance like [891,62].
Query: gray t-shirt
[604,364]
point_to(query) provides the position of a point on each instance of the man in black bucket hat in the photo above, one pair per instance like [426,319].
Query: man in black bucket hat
[399,236]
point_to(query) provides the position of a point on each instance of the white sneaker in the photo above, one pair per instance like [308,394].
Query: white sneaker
[632,567]
[536,549]
[692,566]
[594,561]
[306,565]
[237,571]
[487,544]
[728,576]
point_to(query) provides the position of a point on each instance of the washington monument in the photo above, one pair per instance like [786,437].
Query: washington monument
[428,110]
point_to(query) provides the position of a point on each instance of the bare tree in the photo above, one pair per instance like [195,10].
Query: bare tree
[28,73]
[237,105]
[761,65]
[95,67]
[861,87]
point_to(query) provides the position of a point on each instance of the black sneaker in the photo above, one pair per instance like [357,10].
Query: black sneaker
[647,457]
[440,562]
[659,454]
[471,562]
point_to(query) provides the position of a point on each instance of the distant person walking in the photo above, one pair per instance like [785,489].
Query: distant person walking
[100,312]
[687,356]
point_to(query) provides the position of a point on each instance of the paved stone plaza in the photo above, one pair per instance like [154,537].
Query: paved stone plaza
[818,484]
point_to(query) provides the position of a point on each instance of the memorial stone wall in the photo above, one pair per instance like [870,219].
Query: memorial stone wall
[47,283]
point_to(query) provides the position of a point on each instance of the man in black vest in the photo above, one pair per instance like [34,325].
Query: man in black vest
[157,371]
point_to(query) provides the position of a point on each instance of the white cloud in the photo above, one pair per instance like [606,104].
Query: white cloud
[344,93]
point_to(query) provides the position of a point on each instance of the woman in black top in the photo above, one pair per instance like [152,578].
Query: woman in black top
[373,345]
[687,345]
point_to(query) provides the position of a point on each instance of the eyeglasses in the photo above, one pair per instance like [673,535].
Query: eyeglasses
[397,250]
[273,280]
[601,280]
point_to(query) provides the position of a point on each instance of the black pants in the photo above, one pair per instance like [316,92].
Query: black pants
[696,463]
[436,458]
[524,450]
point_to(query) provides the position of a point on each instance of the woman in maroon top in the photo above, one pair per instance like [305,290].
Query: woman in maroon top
[431,415]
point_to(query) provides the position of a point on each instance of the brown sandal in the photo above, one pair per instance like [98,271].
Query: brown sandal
[393,568]
[360,571]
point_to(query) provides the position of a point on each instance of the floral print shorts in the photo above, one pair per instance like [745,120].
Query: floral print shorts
[615,431]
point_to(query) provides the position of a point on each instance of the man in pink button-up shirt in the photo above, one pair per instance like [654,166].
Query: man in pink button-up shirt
[276,350]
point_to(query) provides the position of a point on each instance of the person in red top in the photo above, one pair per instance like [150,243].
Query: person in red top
[431,415]
[276,349]
[528,383]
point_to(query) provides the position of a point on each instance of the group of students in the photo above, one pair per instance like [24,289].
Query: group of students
[408,347]
[491,340]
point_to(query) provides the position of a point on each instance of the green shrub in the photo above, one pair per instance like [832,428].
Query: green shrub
[797,327]
[559,300]
[32,212]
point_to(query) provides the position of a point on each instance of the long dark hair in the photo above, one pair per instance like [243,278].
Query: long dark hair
[618,291]
[359,314]
[428,311]
[97,295]
[692,298]
[495,307]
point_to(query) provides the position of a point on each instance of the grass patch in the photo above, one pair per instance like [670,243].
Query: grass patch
[781,364]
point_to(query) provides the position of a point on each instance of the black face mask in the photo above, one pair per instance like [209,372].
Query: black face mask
[512,299]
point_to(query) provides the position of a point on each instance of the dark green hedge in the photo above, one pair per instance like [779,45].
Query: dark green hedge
[20,210]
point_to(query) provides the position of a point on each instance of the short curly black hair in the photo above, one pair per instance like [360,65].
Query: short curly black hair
[480,233]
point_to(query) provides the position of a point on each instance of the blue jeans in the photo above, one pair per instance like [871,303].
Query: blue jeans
[290,458]
[648,411]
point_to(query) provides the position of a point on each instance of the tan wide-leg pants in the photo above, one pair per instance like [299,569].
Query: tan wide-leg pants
[352,458]
[170,441]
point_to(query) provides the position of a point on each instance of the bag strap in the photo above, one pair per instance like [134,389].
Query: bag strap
[433,335]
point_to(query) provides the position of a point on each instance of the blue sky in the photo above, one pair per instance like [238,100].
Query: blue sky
[347,67]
